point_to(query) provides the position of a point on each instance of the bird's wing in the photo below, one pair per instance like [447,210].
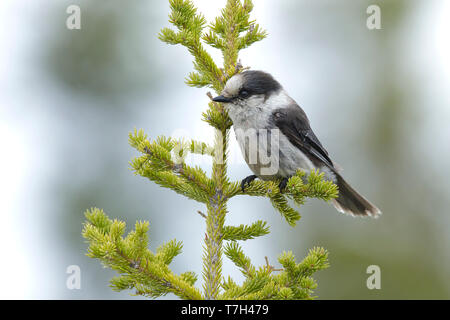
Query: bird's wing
[294,124]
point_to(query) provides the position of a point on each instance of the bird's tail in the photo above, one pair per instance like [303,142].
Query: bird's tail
[351,202]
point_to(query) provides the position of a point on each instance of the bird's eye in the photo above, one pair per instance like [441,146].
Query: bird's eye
[244,94]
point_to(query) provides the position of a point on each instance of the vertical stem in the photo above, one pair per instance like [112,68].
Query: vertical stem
[230,53]
[217,209]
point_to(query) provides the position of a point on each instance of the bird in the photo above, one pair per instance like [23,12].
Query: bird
[269,124]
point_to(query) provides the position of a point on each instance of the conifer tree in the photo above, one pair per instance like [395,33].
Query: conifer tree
[162,161]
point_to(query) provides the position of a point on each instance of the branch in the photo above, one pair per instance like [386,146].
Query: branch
[148,273]
[190,26]
[243,232]
[315,187]
[157,165]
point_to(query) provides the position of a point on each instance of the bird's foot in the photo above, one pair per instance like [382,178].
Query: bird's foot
[283,184]
[247,181]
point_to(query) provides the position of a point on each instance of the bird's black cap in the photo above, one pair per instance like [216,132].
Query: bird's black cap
[259,82]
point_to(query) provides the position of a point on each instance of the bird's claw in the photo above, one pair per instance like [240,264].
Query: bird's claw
[283,184]
[247,181]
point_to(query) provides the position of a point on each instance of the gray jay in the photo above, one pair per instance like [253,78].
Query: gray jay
[260,108]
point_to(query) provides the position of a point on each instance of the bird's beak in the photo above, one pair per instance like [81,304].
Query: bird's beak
[222,99]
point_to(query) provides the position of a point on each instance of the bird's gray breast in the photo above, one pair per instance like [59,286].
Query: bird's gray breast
[268,153]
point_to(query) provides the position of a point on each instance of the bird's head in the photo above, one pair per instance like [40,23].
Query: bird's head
[248,89]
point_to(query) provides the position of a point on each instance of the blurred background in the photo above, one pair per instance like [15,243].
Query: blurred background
[379,101]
